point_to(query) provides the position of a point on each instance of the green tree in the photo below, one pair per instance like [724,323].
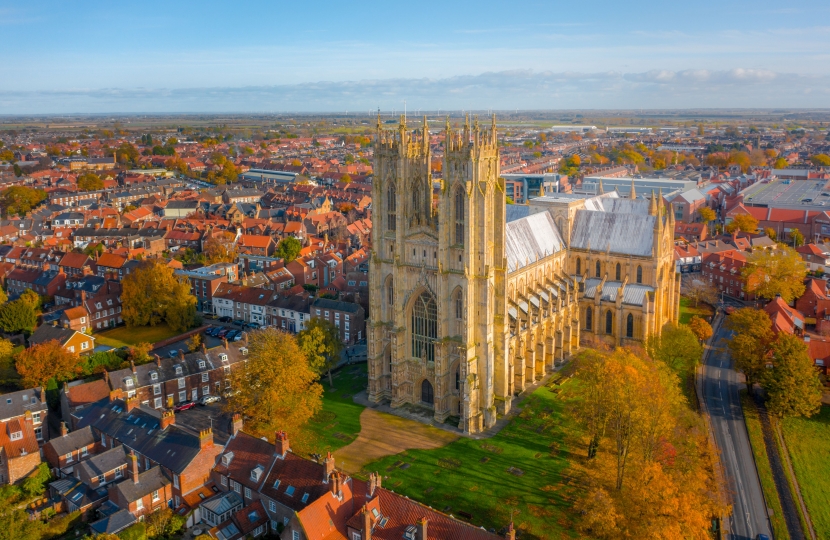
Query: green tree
[793,386]
[90,182]
[152,293]
[320,341]
[18,316]
[20,199]
[278,389]
[677,347]
[796,237]
[752,334]
[769,273]
[94,249]
[743,223]
[289,248]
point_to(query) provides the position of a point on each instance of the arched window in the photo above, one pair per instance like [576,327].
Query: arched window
[589,315]
[619,271]
[388,354]
[639,274]
[426,392]
[459,305]
[598,269]
[629,326]
[459,218]
[458,378]
[424,327]
[578,265]
[390,292]
[609,322]
[391,208]
[416,203]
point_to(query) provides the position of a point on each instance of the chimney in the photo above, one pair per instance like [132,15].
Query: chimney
[158,360]
[422,529]
[225,343]
[367,524]
[204,349]
[116,394]
[131,403]
[132,366]
[281,443]
[83,297]
[168,418]
[181,355]
[64,431]
[328,465]
[236,423]
[374,483]
[43,394]
[334,481]
[206,438]
[511,532]
[133,467]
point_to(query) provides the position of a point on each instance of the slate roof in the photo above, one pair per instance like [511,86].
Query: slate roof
[516,211]
[612,202]
[531,238]
[624,234]
[46,333]
[335,305]
[114,523]
[148,482]
[248,453]
[633,294]
[72,441]
[17,403]
[104,462]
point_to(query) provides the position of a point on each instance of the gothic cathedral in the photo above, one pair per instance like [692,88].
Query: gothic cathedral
[471,299]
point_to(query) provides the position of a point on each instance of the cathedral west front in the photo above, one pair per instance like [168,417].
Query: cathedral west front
[472,299]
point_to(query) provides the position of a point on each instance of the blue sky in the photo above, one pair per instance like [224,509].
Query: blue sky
[63,57]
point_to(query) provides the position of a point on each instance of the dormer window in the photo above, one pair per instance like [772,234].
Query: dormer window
[256,473]
[178,370]
[128,382]
[16,435]
[226,459]
[223,357]
[201,364]
[243,351]
[154,376]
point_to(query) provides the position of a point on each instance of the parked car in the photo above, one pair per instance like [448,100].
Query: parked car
[229,392]
[183,406]
[232,334]
[173,354]
[211,316]
[254,325]
[204,400]
[225,319]
[236,337]
[223,332]
[239,322]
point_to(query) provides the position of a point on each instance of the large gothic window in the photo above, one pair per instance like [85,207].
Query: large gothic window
[391,208]
[609,322]
[589,315]
[459,218]
[416,204]
[629,326]
[390,291]
[424,327]
[639,274]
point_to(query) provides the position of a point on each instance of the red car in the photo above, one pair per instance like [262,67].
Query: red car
[183,406]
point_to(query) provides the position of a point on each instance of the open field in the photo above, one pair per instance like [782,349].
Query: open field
[808,443]
[123,336]
[759,451]
[688,310]
[518,471]
[338,424]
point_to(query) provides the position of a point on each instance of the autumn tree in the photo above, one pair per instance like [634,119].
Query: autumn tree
[3,297]
[743,223]
[277,386]
[822,160]
[769,273]
[194,343]
[792,385]
[770,232]
[699,290]
[706,214]
[220,248]
[18,316]
[140,353]
[289,248]
[700,328]
[676,346]
[320,341]
[47,360]
[796,238]
[781,163]
[90,182]
[748,347]
[153,294]
[20,199]
[164,523]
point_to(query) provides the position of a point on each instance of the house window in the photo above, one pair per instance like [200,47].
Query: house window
[272,506]
[205,377]
[139,504]
[119,473]
[71,348]
[295,535]
[155,495]
[67,457]
[84,452]
[248,492]
[157,403]
[100,478]
[182,395]
[156,389]
[181,382]
[205,390]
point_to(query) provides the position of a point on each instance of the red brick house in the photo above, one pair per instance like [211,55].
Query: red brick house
[65,451]
[19,450]
[723,270]
[348,317]
[257,245]
[143,492]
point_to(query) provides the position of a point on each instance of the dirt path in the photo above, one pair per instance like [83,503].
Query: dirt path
[384,435]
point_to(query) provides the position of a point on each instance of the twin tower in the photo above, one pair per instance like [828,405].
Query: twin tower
[438,273]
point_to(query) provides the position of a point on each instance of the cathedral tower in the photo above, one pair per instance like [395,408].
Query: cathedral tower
[437,274]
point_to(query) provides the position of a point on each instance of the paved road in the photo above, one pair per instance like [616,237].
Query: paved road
[720,389]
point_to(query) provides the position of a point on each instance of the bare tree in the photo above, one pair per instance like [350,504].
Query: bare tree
[699,290]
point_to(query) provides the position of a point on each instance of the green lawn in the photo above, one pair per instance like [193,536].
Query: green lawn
[121,336]
[808,442]
[688,310]
[339,422]
[520,470]
[759,450]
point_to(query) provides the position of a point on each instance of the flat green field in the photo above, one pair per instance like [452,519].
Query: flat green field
[687,310]
[518,471]
[808,442]
[759,450]
[121,336]
[339,422]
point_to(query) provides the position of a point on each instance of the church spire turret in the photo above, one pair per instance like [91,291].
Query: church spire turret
[600,191]
[633,194]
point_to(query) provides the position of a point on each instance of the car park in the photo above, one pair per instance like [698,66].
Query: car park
[183,406]
[204,400]
[239,322]
[223,332]
[231,334]
[237,337]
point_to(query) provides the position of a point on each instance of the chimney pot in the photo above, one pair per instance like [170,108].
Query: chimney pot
[236,423]
[158,360]
[168,418]
[367,524]
[134,467]
[328,464]
[281,442]
[422,529]
[64,431]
